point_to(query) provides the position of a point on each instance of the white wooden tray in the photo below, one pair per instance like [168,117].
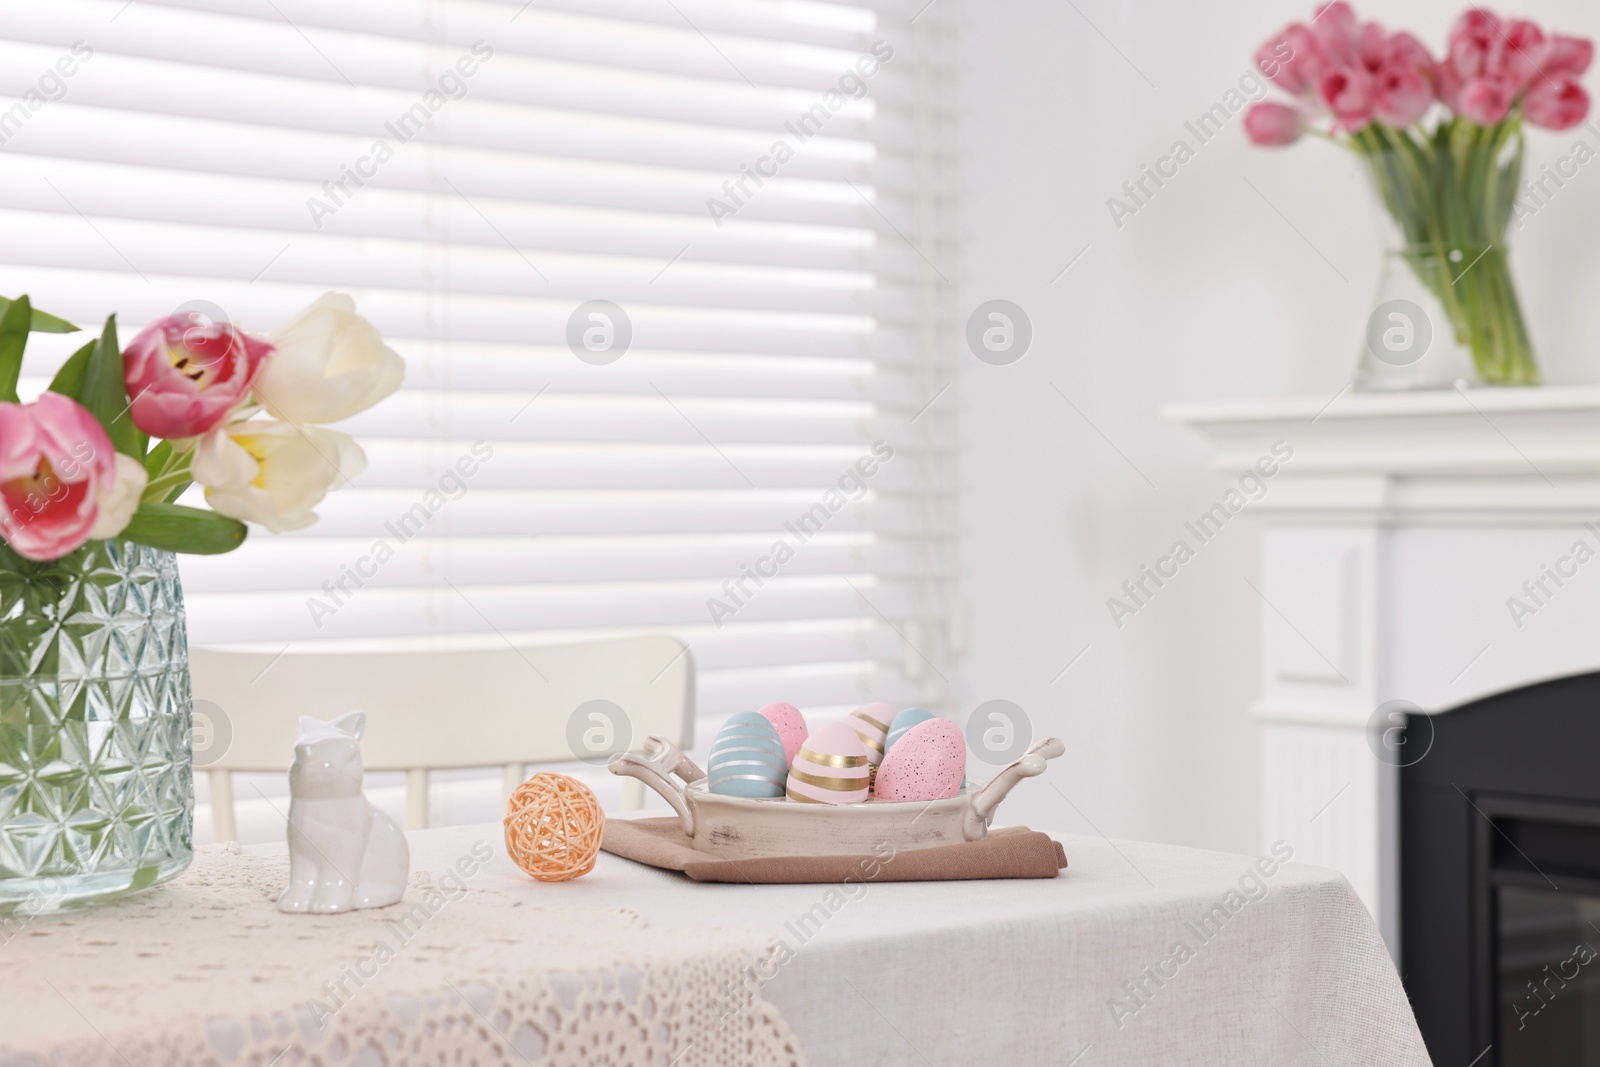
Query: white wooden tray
[740,827]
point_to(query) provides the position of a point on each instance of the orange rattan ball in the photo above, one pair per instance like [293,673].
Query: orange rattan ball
[553,827]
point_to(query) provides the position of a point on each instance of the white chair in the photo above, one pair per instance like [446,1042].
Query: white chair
[505,707]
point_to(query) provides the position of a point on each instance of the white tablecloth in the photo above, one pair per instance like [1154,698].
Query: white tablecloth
[206,972]
[1280,969]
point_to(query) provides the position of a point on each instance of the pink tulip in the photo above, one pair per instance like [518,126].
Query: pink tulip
[1272,125]
[1294,60]
[1337,30]
[1371,46]
[1448,85]
[1518,51]
[1556,105]
[1400,96]
[186,373]
[57,467]
[1473,38]
[1348,94]
[1568,56]
[1487,100]
[1404,50]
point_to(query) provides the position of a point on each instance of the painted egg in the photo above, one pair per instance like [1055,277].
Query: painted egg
[830,768]
[871,724]
[747,758]
[790,724]
[929,763]
[904,721]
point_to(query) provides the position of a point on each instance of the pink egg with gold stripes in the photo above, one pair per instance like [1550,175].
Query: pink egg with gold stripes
[830,768]
[871,724]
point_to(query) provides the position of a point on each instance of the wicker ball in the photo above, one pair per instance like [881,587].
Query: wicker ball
[553,827]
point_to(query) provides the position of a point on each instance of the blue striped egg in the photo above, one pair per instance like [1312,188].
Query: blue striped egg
[904,721]
[747,758]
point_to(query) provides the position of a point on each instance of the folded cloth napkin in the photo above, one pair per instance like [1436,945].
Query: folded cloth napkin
[1014,852]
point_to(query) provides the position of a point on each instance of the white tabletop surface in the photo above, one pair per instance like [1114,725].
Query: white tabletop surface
[1046,971]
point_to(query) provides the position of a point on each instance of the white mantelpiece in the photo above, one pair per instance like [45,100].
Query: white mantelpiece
[1393,540]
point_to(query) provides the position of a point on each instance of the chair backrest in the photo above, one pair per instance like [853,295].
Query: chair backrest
[500,707]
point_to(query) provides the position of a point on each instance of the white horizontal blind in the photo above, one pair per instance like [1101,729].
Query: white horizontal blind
[195,151]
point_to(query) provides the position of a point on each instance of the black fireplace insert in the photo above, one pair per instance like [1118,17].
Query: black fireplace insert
[1500,878]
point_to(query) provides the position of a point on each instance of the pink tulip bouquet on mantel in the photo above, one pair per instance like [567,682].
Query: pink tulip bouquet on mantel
[1443,141]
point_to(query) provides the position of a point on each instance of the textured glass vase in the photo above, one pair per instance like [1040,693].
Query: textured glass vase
[96,776]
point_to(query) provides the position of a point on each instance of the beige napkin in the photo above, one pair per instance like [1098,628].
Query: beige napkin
[1014,852]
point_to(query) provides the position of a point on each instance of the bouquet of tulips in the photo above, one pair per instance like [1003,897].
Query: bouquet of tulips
[121,432]
[1450,186]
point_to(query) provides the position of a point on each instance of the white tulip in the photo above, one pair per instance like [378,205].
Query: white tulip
[120,500]
[273,473]
[330,364]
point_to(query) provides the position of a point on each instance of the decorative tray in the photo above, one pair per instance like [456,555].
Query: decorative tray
[738,827]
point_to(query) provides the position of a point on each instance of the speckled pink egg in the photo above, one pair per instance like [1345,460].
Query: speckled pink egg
[928,763]
[790,724]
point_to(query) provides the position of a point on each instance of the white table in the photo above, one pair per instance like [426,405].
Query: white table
[1031,972]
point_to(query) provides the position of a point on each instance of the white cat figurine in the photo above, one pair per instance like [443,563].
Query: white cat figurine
[343,852]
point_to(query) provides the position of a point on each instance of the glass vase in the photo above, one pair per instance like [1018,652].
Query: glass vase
[96,775]
[1447,308]
[1410,340]
[1436,322]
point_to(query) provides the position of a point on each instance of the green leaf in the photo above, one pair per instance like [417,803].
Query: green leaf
[168,469]
[13,339]
[155,464]
[177,528]
[105,394]
[42,321]
[69,379]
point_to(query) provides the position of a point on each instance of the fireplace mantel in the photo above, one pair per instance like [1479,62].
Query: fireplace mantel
[1394,543]
[1481,456]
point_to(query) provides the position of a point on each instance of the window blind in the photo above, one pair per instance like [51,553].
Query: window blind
[477,173]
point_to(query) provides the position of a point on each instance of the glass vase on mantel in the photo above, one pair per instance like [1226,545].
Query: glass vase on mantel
[96,776]
[1441,135]
[1447,310]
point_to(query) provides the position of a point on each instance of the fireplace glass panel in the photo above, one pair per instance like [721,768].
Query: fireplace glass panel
[1548,957]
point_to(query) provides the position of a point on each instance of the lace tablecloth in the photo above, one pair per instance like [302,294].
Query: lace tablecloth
[206,971]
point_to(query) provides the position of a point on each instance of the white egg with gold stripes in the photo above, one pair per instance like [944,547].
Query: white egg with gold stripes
[871,724]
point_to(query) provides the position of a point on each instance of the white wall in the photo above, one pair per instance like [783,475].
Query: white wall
[1206,293]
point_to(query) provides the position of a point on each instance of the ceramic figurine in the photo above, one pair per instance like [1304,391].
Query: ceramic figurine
[343,852]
